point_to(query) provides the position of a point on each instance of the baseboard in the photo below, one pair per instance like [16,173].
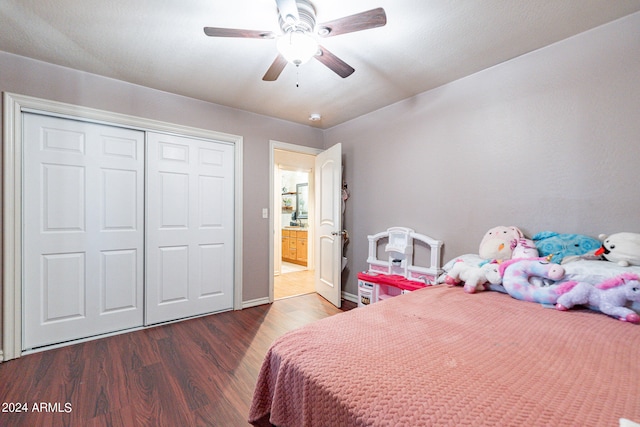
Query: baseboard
[350,297]
[260,301]
[255,302]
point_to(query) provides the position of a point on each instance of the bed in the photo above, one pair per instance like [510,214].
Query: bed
[440,356]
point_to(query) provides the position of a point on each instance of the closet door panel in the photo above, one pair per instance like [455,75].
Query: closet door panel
[173,279]
[63,211]
[118,280]
[119,199]
[83,229]
[190,227]
[63,287]
[212,264]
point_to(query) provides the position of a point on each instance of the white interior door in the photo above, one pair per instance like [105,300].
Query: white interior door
[190,227]
[328,253]
[83,229]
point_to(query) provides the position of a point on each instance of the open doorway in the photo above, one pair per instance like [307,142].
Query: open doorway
[324,231]
[293,272]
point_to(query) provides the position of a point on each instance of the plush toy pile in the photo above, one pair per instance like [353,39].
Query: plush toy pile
[554,269]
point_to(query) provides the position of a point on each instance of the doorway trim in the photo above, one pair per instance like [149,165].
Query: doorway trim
[11,184]
[283,146]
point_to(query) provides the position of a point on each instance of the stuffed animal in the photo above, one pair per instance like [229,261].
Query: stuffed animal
[560,246]
[621,248]
[499,242]
[609,297]
[474,277]
[525,248]
[519,278]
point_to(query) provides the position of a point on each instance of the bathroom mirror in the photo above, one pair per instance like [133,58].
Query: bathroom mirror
[302,201]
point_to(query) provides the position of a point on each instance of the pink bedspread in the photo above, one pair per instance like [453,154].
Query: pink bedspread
[441,357]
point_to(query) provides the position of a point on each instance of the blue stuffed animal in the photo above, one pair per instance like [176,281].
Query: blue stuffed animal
[561,245]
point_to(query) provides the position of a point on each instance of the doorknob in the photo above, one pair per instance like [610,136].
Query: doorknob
[339,233]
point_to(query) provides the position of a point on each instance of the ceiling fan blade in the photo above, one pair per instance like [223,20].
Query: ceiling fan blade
[234,32]
[288,11]
[360,21]
[275,69]
[334,63]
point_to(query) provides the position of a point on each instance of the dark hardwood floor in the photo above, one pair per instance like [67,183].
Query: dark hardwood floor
[199,372]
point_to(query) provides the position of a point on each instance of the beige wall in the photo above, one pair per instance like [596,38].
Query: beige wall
[34,78]
[547,141]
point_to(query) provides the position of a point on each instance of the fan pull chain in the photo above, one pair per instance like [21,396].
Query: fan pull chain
[297,75]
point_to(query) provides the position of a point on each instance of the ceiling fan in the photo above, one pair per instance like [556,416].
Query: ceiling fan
[298,41]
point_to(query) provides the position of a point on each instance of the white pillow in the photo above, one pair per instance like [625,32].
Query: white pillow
[595,272]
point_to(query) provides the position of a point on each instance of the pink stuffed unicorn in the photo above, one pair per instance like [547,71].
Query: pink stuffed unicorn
[608,297]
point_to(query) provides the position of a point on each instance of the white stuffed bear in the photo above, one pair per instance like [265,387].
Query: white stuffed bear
[621,248]
[474,277]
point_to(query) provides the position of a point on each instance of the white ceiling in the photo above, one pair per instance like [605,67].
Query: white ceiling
[161,44]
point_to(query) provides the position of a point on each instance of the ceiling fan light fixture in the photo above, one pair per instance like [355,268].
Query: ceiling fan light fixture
[297,47]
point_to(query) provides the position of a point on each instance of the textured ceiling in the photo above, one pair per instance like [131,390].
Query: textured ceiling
[161,44]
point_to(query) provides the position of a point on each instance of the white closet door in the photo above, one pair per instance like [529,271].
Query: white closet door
[83,229]
[190,227]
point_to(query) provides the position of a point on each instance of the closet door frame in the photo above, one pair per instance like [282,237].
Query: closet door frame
[13,107]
